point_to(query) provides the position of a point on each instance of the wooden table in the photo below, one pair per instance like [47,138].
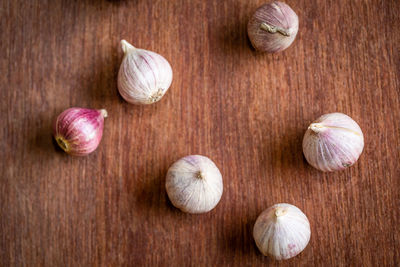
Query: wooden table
[245,110]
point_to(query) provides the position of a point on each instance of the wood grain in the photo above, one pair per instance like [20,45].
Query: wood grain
[245,110]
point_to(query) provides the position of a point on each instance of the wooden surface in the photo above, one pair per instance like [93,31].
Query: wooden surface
[245,110]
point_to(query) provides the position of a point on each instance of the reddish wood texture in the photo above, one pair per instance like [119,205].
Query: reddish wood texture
[245,110]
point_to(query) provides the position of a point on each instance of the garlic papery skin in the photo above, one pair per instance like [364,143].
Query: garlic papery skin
[273,27]
[282,231]
[78,131]
[333,142]
[144,76]
[194,184]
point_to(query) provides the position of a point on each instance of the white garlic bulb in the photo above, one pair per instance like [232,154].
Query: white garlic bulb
[194,184]
[144,76]
[333,142]
[282,231]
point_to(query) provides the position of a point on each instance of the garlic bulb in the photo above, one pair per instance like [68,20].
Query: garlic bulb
[144,76]
[78,131]
[273,27]
[333,142]
[194,184]
[282,231]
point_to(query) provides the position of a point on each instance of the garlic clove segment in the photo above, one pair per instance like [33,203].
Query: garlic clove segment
[333,142]
[194,184]
[78,131]
[282,231]
[273,27]
[144,76]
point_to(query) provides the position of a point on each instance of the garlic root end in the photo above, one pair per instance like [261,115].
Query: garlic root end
[63,143]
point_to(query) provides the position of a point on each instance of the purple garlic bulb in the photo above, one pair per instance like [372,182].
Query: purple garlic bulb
[273,27]
[78,131]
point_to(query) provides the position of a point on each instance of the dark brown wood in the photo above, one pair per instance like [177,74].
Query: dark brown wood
[245,110]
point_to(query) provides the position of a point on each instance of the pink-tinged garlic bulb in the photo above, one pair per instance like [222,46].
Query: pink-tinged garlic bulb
[78,131]
[282,231]
[194,184]
[273,27]
[144,76]
[333,142]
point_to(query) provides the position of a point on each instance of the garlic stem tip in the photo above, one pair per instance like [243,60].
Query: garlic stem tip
[316,127]
[126,46]
[274,29]
[104,113]
[279,212]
